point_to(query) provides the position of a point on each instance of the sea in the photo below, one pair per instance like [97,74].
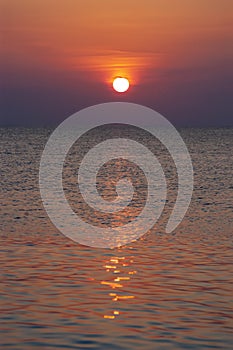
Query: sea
[163,291]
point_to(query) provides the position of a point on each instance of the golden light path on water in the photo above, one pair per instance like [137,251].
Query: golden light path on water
[56,293]
[120,271]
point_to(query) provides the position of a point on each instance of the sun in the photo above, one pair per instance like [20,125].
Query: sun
[120,84]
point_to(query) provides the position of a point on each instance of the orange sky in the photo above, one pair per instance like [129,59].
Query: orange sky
[149,41]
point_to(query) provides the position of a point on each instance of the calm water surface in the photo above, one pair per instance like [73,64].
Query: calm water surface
[160,292]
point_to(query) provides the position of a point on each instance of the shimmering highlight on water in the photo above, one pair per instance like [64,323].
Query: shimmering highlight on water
[160,292]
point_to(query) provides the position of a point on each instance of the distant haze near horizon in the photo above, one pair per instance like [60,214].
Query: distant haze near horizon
[58,57]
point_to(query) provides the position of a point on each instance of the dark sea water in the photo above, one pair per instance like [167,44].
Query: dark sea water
[164,291]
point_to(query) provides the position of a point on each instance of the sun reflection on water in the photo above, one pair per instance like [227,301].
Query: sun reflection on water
[122,266]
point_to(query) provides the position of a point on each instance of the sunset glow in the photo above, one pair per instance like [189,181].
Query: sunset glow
[116,130]
[174,52]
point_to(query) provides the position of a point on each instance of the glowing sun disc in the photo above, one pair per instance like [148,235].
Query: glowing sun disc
[120,84]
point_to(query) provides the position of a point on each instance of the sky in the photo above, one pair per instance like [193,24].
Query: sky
[59,56]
